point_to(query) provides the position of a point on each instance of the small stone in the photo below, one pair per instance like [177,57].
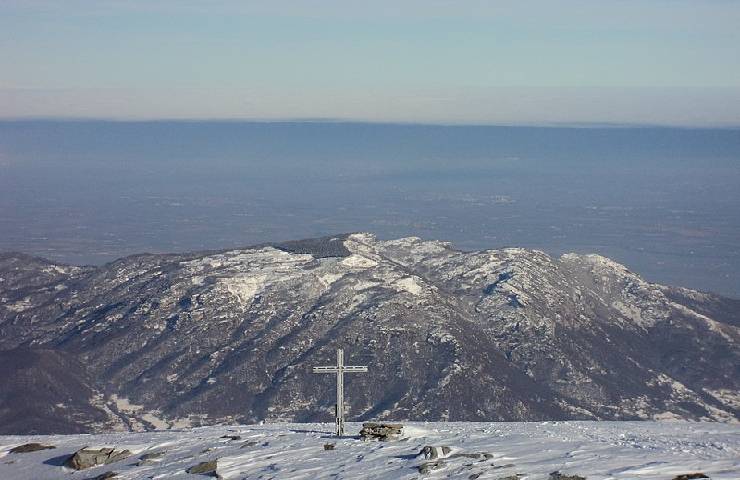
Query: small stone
[204,468]
[328,446]
[248,444]
[559,476]
[150,458]
[232,437]
[427,467]
[104,476]
[690,476]
[475,456]
[30,447]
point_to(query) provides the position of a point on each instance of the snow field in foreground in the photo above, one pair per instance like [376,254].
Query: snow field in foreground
[596,450]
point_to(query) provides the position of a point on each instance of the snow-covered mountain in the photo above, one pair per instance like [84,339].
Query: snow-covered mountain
[513,334]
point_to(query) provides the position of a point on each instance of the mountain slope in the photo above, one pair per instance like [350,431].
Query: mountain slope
[507,334]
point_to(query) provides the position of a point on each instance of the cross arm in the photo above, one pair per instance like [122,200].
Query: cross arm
[355,368]
[325,370]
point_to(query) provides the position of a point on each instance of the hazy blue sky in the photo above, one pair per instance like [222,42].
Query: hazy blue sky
[624,61]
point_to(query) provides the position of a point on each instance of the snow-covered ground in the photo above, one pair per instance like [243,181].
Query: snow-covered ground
[595,450]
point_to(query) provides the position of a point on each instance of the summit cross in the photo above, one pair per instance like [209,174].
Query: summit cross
[340,369]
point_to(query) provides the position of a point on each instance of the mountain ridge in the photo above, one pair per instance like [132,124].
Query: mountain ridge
[510,334]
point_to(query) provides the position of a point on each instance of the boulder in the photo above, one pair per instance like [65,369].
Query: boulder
[204,468]
[380,431]
[30,447]
[433,453]
[88,457]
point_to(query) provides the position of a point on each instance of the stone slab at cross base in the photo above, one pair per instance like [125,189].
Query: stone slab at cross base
[380,431]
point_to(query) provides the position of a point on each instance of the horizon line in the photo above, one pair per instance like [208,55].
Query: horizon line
[329,120]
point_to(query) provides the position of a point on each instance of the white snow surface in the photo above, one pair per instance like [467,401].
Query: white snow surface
[595,450]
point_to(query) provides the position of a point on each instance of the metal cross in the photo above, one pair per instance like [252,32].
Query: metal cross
[340,370]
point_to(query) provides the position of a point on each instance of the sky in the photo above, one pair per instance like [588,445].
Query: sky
[668,62]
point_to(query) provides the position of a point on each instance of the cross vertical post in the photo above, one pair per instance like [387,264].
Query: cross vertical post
[340,392]
[340,369]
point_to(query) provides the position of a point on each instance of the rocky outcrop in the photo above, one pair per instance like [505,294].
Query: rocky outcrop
[381,431]
[90,457]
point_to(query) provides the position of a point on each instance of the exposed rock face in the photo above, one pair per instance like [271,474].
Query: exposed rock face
[508,334]
[90,457]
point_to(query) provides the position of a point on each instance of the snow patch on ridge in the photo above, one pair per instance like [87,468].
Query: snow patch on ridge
[245,288]
[359,261]
[409,284]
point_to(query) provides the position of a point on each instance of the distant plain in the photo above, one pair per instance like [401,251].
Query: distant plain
[663,201]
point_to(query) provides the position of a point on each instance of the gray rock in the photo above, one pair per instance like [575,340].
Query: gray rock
[433,453]
[690,476]
[427,467]
[87,457]
[30,447]
[475,456]
[559,476]
[104,476]
[380,431]
[328,446]
[150,458]
[204,468]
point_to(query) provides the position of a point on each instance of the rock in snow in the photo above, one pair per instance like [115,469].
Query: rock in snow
[381,431]
[30,447]
[92,457]
[516,451]
[231,336]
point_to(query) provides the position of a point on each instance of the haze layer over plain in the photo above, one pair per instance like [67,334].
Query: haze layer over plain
[663,201]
